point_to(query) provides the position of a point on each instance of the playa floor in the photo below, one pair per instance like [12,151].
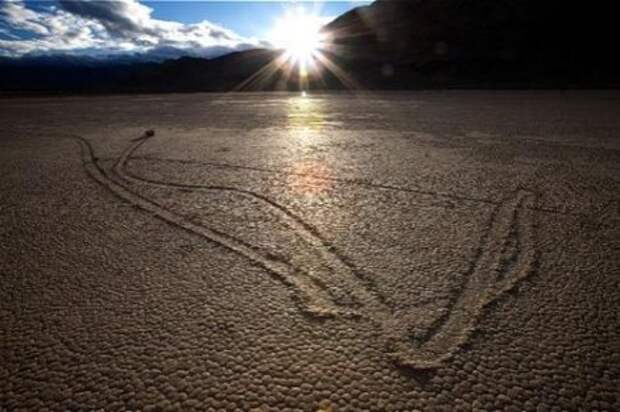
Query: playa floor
[335,252]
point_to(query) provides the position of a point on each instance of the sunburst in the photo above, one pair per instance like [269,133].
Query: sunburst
[298,34]
[305,54]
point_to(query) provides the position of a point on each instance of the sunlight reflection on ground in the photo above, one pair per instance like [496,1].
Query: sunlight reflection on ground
[306,120]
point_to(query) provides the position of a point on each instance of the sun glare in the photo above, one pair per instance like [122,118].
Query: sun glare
[305,57]
[298,34]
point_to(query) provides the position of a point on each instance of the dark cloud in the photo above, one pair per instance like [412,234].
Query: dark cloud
[114,15]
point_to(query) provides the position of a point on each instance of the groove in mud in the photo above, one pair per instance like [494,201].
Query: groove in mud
[311,295]
[496,268]
[506,256]
[342,271]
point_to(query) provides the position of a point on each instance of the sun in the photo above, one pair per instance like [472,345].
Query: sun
[298,33]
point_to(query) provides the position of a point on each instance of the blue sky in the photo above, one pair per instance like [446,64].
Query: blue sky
[141,27]
[248,18]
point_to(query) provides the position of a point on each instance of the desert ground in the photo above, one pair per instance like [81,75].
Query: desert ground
[455,250]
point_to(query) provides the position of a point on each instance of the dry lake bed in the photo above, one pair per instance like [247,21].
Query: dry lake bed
[335,252]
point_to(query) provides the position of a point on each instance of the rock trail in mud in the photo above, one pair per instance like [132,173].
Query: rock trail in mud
[506,255]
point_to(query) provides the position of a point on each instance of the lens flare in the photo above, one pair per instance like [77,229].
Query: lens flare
[305,56]
[298,33]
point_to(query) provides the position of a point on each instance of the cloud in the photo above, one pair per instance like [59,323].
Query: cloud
[18,16]
[118,17]
[109,27]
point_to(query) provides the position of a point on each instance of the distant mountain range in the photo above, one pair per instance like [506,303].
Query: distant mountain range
[389,44]
[186,74]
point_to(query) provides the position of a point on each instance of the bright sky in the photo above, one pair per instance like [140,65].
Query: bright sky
[247,18]
[158,28]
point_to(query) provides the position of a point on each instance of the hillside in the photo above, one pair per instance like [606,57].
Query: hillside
[479,43]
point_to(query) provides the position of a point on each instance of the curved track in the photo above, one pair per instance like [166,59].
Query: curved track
[506,255]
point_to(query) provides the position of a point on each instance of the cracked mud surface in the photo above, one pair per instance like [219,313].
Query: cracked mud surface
[385,252]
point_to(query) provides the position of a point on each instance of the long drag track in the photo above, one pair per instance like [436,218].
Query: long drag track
[379,252]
